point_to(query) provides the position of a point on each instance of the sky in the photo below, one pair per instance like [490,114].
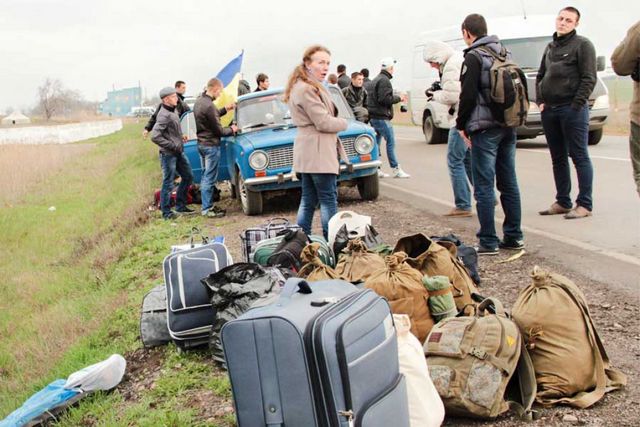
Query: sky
[95,46]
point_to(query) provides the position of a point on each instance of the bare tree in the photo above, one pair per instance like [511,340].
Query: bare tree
[50,97]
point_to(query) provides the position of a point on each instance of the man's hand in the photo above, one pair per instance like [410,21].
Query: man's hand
[404,98]
[145,133]
[234,128]
[464,136]
[541,107]
[230,107]
[185,138]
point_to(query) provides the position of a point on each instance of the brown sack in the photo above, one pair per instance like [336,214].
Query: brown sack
[313,269]
[570,361]
[402,286]
[358,263]
[433,259]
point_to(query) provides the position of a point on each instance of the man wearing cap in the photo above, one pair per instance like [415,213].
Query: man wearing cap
[380,103]
[209,132]
[181,108]
[167,134]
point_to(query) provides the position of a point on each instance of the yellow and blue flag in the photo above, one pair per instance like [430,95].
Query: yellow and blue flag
[230,77]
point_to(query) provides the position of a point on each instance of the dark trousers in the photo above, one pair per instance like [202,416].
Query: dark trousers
[173,164]
[567,132]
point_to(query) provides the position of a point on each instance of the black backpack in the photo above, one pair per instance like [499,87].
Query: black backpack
[466,254]
[287,253]
[508,87]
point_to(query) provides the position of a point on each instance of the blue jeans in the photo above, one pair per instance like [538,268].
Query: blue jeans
[384,129]
[493,155]
[459,163]
[172,164]
[209,159]
[318,188]
[567,132]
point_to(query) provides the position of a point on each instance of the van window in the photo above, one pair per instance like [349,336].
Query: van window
[527,52]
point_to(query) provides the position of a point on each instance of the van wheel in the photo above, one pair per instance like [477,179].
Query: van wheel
[595,136]
[433,134]
[369,187]
[251,201]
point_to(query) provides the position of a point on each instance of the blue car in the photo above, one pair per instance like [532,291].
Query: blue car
[257,161]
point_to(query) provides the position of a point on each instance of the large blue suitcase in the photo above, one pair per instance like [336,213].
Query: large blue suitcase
[324,354]
[190,314]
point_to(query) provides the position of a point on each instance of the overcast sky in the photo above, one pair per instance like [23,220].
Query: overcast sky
[93,46]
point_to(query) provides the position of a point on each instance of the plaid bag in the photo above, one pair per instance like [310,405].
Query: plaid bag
[251,236]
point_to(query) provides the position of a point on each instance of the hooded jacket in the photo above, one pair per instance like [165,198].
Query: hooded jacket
[450,65]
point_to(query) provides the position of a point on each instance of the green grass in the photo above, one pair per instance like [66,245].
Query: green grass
[73,283]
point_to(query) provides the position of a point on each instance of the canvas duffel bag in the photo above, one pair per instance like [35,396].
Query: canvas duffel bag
[571,364]
[357,263]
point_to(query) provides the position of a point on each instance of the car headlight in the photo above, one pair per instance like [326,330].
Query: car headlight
[364,144]
[258,160]
[601,102]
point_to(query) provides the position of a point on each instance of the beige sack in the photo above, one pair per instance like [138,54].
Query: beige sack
[313,269]
[570,362]
[358,263]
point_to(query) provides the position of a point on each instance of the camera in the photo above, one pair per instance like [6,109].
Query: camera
[435,86]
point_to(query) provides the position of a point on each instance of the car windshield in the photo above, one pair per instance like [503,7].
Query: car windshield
[527,53]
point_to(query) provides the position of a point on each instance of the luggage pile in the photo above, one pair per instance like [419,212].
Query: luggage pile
[355,331]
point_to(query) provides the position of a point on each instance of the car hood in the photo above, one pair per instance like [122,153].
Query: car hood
[268,138]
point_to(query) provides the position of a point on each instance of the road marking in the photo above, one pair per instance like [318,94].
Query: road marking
[530,150]
[562,239]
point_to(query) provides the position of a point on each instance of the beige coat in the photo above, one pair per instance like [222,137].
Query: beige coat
[316,148]
[624,60]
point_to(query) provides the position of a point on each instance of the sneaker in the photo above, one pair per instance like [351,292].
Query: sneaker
[459,213]
[481,250]
[511,245]
[214,212]
[399,173]
[185,211]
[170,216]
[382,174]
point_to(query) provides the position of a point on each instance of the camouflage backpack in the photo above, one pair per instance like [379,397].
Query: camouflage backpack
[472,360]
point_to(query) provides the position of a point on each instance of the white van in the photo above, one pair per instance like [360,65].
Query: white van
[526,39]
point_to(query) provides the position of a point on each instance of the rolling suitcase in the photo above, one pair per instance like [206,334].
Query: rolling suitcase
[322,355]
[189,310]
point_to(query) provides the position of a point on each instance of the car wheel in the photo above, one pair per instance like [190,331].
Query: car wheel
[369,187]
[432,134]
[251,201]
[595,136]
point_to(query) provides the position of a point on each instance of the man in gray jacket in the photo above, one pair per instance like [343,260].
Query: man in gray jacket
[566,78]
[167,134]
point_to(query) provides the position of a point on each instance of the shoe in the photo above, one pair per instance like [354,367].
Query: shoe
[511,245]
[214,212]
[171,215]
[382,174]
[185,211]
[578,212]
[481,250]
[555,209]
[459,213]
[399,173]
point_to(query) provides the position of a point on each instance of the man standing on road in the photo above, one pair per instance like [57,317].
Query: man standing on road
[626,61]
[343,79]
[380,103]
[167,134]
[209,132]
[181,108]
[566,78]
[366,81]
[448,62]
[493,145]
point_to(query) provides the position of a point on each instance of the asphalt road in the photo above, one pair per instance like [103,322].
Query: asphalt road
[606,245]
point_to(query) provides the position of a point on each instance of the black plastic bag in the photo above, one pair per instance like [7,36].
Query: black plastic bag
[371,239]
[466,254]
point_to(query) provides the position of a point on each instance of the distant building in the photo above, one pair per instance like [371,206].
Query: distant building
[120,102]
[15,118]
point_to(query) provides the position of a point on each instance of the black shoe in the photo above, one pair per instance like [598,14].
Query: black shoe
[511,245]
[171,215]
[481,250]
[185,211]
[215,212]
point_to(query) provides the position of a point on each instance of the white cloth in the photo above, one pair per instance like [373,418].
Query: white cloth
[104,375]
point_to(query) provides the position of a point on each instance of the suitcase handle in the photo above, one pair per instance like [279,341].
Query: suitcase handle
[195,231]
[291,286]
[274,222]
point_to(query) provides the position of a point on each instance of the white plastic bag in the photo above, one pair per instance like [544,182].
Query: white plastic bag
[356,225]
[425,405]
[104,375]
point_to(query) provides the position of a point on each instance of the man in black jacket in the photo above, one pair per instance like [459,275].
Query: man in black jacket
[209,132]
[380,101]
[167,134]
[181,108]
[356,97]
[262,80]
[343,79]
[566,78]
[493,145]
